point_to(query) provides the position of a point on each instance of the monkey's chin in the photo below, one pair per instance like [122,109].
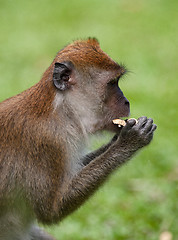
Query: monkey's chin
[107,125]
[113,128]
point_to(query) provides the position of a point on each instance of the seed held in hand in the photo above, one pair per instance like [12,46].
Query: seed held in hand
[122,123]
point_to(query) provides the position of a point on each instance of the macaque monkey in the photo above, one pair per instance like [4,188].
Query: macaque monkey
[43,131]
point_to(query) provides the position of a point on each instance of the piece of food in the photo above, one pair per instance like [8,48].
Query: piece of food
[119,122]
[122,123]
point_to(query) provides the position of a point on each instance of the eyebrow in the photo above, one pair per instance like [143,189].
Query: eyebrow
[122,70]
[123,67]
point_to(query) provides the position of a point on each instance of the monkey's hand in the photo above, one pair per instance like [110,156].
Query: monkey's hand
[135,136]
[100,164]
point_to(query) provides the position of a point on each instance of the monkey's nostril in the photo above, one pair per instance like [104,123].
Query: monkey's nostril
[127,103]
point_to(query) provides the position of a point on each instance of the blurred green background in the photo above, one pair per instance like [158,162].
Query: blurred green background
[140,200]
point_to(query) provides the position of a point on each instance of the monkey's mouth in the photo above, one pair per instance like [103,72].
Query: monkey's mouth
[109,125]
[114,127]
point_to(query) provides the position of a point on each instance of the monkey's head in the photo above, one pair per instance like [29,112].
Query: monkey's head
[87,79]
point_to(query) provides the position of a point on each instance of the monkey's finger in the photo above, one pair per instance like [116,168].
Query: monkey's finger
[150,133]
[148,125]
[130,123]
[153,128]
[141,122]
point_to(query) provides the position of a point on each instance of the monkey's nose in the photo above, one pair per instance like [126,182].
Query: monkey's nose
[127,103]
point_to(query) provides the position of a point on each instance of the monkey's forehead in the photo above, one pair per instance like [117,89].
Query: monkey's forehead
[84,53]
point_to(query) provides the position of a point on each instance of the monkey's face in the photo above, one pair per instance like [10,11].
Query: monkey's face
[115,103]
[108,100]
[93,94]
[88,78]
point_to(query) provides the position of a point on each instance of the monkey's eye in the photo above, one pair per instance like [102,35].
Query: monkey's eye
[114,81]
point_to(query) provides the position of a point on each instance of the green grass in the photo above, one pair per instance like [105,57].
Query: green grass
[140,200]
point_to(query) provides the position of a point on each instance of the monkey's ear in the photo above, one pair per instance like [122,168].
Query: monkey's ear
[61,75]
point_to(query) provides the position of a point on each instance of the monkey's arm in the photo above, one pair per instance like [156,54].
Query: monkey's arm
[89,157]
[85,183]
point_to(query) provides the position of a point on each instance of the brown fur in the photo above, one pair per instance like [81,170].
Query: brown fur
[42,131]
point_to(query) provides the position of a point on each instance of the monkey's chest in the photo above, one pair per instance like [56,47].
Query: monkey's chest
[15,224]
